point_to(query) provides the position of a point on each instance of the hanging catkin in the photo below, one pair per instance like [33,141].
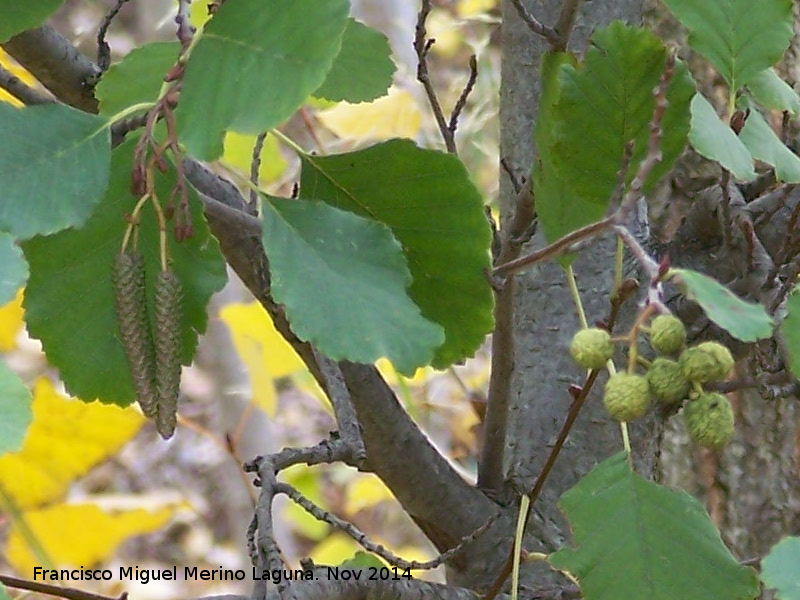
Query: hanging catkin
[131,307]
[167,335]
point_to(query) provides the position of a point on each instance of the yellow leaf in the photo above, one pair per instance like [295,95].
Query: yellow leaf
[392,377]
[238,153]
[416,554]
[471,8]
[80,535]
[263,350]
[334,549]
[393,115]
[365,492]
[447,32]
[319,103]
[15,69]
[305,382]
[198,14]
[306,482]
[462,427]
[10,323]
[66,438]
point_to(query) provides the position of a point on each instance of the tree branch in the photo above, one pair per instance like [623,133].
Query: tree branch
[360,537]
[557,248]
[430,490]
[548,33]
[490,465]
[563,28]
[346,417]
[17,88]
[103,49]
[58,65]
[422,47]
[55,590]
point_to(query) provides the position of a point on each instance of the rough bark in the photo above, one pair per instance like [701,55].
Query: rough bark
[752,489]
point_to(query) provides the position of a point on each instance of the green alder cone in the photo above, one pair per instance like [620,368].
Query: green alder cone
[591,348]
[128,279]
[168,316]
[709,420]
[709,361]
[667,382]
[667,334]
[626,396]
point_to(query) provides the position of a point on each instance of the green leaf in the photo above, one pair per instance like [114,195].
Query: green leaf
[559,209]
[342,280]
[779,568]
[136,78]
[15,406]
[254,65]
[608,101]
[363,69]
[740,38]
[764,145]
[715,140]
[13,268]
[69,301]
[19,16]
[791,331]
[774,93]
[743,320]
[642,541]
[54,167]
[428,201]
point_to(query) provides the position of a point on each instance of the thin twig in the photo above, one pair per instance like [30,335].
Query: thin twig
[22,92]
[557,248]
[103,49]
[515,181]
[653,156]
[515,233]
[565,23]
[326,452]
[123,127]
[538,485]
[648,264]
[345,412]
[622,174]
[55,590]
[360,537]
[186,30]
[550,34]
[462,99]
[422,46]
[268,552]
[255,167]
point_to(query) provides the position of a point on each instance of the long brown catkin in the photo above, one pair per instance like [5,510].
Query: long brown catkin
[128,279]
[167,336]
